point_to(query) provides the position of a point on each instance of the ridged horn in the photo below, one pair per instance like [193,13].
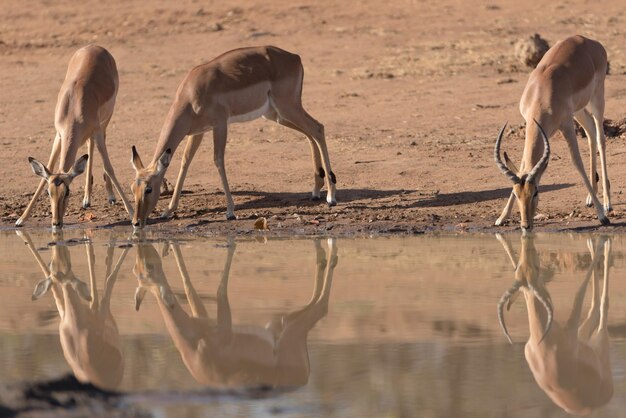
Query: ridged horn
[506,297]
[547,303]
[496,156]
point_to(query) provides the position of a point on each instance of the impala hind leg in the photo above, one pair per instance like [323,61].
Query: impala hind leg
[193,143]
[569,132]
[108,186]
[318,171]
[108,169]
[54,155]
[220,134]
[297,116]
[584,118]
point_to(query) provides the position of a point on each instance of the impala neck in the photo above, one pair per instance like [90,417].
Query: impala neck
[176,127]
[533,148]
[70,142]
[537,318]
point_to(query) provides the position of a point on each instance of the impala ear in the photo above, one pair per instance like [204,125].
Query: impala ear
[82,289]
[140,293]
[135,160]
[510,164]
[39,168]
[41,288]
[164,161]
[79,166]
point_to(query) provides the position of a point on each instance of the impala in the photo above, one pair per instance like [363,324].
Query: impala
[89,335]
[238,86]
[219,353]
[567,84]
[83,111]
[570,361]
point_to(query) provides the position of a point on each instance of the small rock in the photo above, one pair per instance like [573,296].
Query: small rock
[261,224]
[216,27]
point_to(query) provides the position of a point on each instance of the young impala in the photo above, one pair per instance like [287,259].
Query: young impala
[567,84]
[569,360]
[89,335]
[219,353]
[83,111]
[238,86]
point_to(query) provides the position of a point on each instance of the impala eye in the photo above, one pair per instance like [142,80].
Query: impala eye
[148,190]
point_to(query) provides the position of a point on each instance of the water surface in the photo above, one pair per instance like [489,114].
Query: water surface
[403,326]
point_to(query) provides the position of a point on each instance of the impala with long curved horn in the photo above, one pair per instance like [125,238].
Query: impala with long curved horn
[238,86]
[84,108]
[569,359]
[567,84]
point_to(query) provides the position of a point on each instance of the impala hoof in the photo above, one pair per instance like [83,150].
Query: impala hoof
[608,209]
[231,217]
[86,205]
[315,198]
[165,214]
[332,203]
[19,223]
[112,200]
[605,221]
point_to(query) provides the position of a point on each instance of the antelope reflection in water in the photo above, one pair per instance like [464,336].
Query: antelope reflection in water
[217,352]
[570,361]
[88,332]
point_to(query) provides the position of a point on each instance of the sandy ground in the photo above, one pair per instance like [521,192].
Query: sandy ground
[411,93]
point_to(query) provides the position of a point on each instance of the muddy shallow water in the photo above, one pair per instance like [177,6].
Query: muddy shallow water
[402,326]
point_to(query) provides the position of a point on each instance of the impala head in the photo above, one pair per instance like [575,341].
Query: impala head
[58,186]
[525,185]
[148,270]
[147,185]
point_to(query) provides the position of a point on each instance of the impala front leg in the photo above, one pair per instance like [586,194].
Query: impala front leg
[220,134]
[108,169]
[193,143]
[506,211]
[89,179]
[54,155]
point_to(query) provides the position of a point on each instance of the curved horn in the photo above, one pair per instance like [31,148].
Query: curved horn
[547,303]
[543,162]
[506,297]
[496,156]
